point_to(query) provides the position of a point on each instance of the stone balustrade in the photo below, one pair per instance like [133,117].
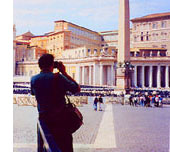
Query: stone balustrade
[24,100]
[117,100]
[79,100]
[28,100]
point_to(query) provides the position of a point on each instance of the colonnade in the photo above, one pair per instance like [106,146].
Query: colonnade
[151,76]
[96,74]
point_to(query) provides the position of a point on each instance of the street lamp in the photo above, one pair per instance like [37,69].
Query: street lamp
[129,68]
[126,69]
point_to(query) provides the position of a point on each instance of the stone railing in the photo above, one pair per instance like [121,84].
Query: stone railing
[79,100]
[125,100]
[28,100]
[24,100]
[117,100]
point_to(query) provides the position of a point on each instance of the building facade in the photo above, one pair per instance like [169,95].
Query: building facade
[91,57]
[66,35]
[152,31]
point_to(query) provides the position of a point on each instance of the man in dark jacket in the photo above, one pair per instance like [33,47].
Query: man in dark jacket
[95,103]
[50,90]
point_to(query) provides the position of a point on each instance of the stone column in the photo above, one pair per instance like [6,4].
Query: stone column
[158,76]
[167,77]
[158,53]
[90,75]
[123,42]
[111,75]
[150,76]
[78,74]
[94,74]
[83,72]
[101,74]
[124,32]
[142,76]
[135,75]
[86,75]
[34,54]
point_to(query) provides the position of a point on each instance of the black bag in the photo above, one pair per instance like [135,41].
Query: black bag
[73,116]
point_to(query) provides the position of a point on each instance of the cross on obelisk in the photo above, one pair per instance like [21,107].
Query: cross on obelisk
[123,43]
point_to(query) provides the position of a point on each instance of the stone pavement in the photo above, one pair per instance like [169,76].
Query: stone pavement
[115,129]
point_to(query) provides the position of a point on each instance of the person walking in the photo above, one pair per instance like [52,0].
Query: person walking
[95,103]
[153,101]
[160,101]
[147,99]
[135,100]
[100,103]
[50,89]
[157,101]
[131,100]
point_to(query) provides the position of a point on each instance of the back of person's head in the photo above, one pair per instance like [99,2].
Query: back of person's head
[46,61]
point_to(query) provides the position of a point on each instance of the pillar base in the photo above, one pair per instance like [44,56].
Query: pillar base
[121,79]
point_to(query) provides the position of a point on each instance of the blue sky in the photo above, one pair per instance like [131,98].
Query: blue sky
[38,16]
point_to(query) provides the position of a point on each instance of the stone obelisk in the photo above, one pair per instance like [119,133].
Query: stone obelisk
[123,44]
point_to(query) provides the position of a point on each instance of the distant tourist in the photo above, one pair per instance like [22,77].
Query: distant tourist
[95,103]
[160,101]
[147,101]
[131,100]
[100,103]
[152,101]
[157,101]
[136,100]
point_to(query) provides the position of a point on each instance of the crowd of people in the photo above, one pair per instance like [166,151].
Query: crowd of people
[145,98]
[152,100]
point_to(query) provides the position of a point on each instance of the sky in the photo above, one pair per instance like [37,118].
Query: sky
[38,16]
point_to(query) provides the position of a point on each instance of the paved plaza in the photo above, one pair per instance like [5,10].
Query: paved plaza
[118,128]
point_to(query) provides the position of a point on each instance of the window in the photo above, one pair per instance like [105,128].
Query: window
[131,54]
[106,49]
[135,38]
[113,50]
[147,36]
[163,46]
[163,24]
[154,26]
[141,36]
[95,50]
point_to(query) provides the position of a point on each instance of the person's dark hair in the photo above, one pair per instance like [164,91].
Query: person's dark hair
[46,61]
